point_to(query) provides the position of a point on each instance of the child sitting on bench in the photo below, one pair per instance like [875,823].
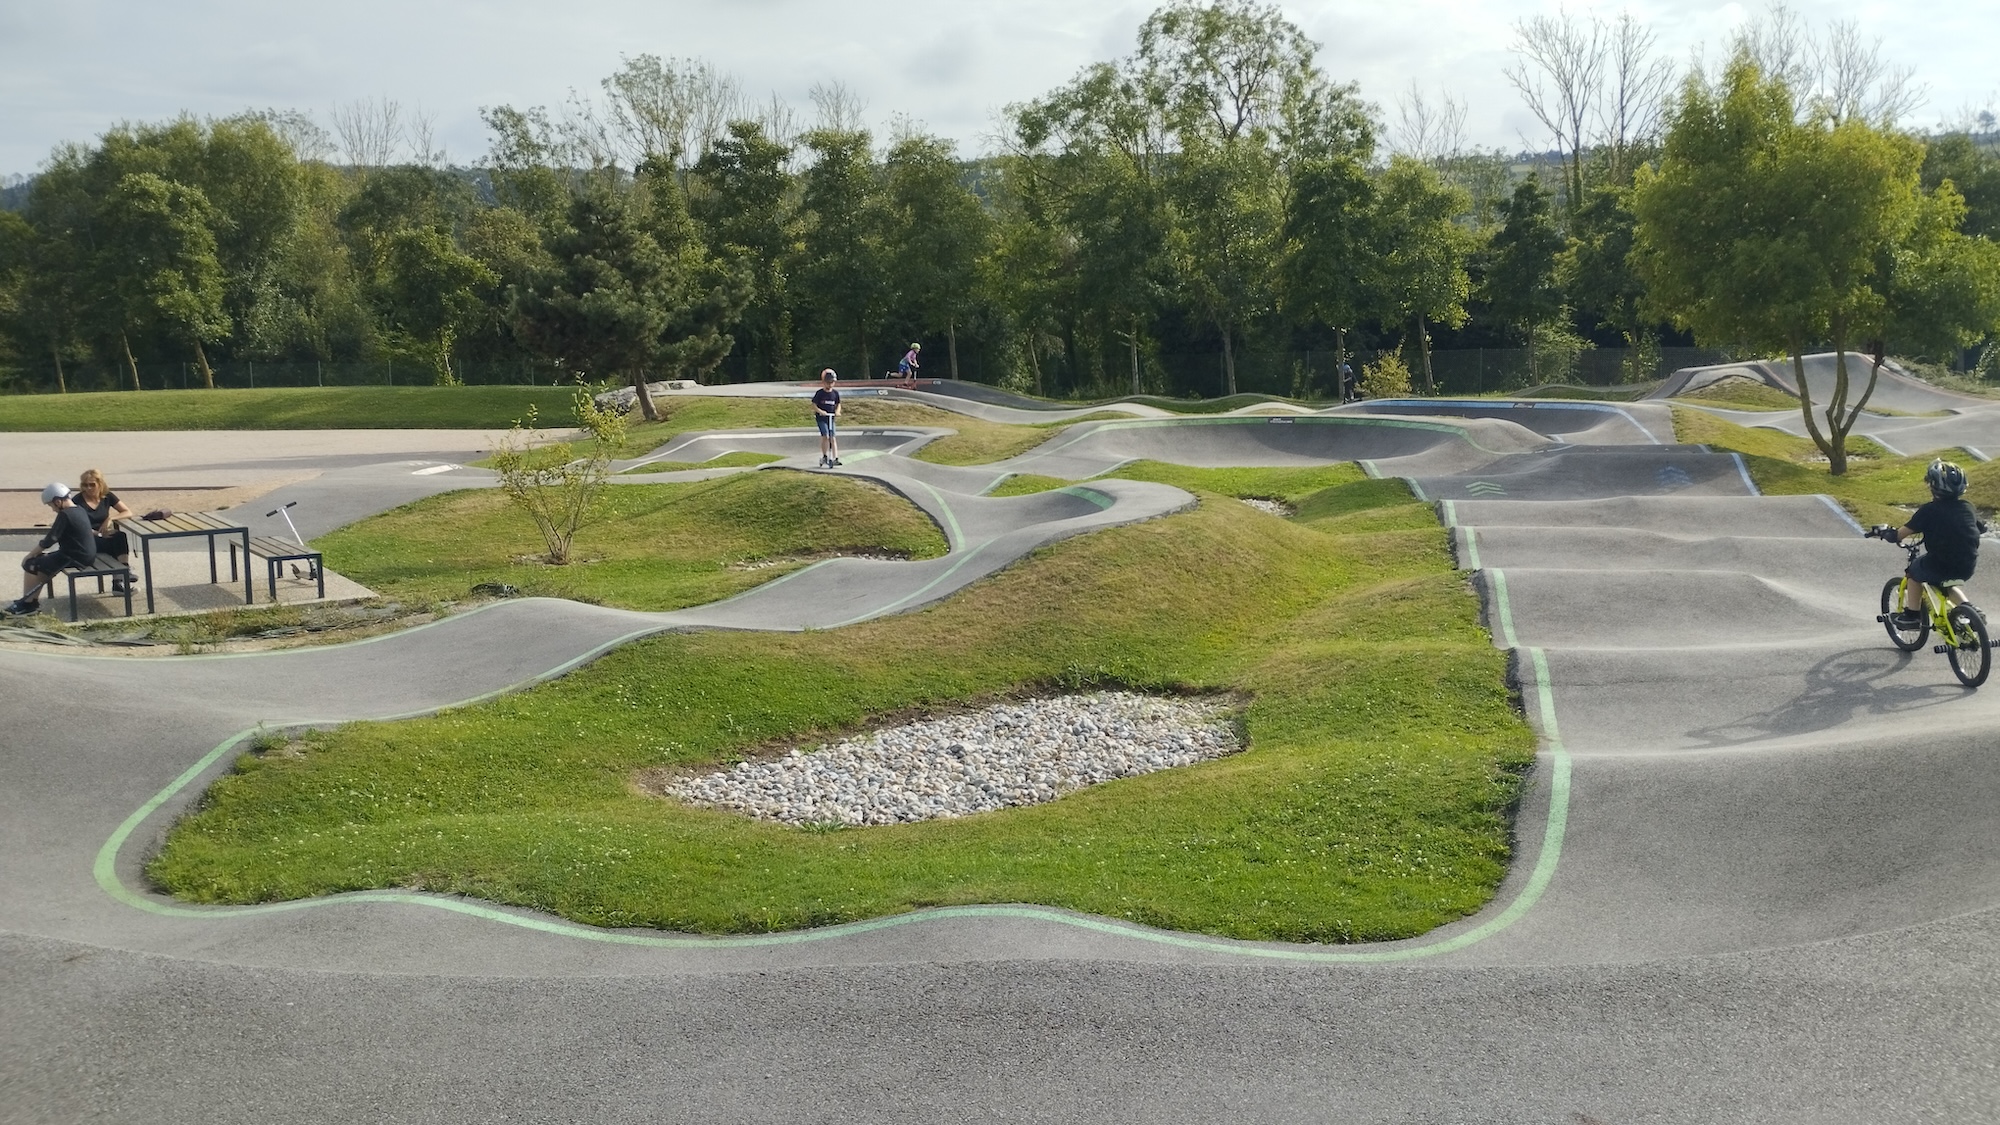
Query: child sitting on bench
[74,545]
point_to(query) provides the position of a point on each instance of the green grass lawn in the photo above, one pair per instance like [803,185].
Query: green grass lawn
[660,546]
[1877,487]
[1372,803]
[285,408]
[1741,394]
[741,458]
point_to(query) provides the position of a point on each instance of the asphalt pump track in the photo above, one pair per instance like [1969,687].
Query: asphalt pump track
[1755,875]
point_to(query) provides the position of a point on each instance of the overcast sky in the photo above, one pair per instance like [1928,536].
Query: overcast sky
[71,68]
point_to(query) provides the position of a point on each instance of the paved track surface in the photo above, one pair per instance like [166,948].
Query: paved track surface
[1756,876]
[1925,419]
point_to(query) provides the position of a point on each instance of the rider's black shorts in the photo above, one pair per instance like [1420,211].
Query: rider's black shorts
[1926,570]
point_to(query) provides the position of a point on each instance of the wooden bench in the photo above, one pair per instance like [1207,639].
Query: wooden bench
[100,570]
[276,553]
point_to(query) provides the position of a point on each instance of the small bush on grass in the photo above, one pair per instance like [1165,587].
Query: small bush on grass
[549,481]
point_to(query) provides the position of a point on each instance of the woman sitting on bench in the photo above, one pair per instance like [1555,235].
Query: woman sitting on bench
[105,509]
[75,545]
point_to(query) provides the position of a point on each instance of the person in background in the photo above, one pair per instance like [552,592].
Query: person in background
[104,508]
[826,408]
[74,543]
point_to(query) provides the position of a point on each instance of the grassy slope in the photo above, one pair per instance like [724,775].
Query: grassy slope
[1741,394]
[661,546]
[1289,485]
[1876,488]
[285,408]
[741,458]
[1384,752]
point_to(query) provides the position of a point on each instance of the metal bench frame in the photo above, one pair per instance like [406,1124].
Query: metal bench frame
[276,553]
[100,571]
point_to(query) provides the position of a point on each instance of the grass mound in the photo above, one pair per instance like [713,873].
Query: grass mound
[1743,394]
[741,458]
[1877,487]
[285,408]
[663,546]
[1372,802]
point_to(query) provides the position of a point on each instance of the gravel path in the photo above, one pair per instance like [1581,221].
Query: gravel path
[1007,754]
[1271,507]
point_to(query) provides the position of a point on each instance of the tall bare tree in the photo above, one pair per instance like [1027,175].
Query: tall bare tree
[1432,132]
[1835,74]
[1635,91]
[672,108]
[837,107]
[369,130]
[1560,73]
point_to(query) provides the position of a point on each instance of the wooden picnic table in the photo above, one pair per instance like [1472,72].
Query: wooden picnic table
[191,525]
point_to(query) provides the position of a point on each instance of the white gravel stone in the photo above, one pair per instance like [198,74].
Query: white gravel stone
[1008,754]
[1273,507]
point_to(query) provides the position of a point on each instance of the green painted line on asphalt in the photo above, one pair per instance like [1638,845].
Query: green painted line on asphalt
[105,868]
[1416,488]
[1503,610]
[952,532]
[884,611]
[1471,548]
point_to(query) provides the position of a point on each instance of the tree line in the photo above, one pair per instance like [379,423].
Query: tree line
[1216,194]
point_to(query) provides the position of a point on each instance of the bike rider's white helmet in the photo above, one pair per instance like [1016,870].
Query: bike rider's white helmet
[54,492]
[830,375]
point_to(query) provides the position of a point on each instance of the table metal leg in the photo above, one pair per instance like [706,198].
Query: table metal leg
[249,579]
[146,549]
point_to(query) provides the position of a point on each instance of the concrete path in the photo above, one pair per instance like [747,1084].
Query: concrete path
[1756,876]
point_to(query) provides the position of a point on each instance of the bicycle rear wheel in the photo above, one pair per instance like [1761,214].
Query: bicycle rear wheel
[1972,657]
[1910,639]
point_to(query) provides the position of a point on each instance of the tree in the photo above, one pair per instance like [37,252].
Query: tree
[1520,278]
[742,197]
[431,292]
[940,233]
[1596,270]
[1227,75]
[1763,228]
[600,310]
[1943,286]
[846,263]
[1423,252]
[1560,74]
[1974,172]
[701,296]
[157,267]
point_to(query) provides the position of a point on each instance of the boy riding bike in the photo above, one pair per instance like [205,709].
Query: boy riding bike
[1950,531]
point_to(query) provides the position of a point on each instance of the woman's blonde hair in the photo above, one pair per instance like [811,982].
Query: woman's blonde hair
[83,482]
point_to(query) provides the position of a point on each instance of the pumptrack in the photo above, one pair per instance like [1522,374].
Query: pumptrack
[1756,871]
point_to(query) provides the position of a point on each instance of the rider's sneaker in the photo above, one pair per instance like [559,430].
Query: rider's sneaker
[836,462]
[21,607]
[1906,619]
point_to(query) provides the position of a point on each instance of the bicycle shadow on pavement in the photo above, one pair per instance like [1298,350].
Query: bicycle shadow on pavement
[1840,689]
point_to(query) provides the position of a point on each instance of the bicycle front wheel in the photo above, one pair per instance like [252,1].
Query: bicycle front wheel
[1908,639]
[1972,657]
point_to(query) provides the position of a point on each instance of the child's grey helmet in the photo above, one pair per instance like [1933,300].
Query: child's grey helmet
[1947,480]
[54,492]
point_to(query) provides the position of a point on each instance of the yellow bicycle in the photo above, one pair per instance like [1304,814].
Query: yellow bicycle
[1960,627]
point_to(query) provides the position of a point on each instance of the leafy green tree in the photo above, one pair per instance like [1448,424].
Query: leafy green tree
[601,308]
[1327,239]
[1423,252]
[940,234]
[1759,228]
[702,296]
[431,293]
[1943,286]
[1596,270]
[1226,214]
[846,263]
[743,197]
[156,266]
[1520,280]
[1974,172]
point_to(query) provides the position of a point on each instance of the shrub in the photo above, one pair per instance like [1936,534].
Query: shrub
[546,479]
[1385,378]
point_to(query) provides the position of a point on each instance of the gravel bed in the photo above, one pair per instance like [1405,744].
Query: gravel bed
[1008,754]
[1273,507]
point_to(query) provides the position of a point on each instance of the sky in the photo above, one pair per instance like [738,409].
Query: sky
[71,69]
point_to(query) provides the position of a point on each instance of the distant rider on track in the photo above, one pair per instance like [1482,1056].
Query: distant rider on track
[826,408]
